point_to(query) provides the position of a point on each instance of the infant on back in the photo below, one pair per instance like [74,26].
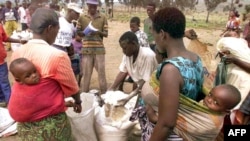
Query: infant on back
[221,98]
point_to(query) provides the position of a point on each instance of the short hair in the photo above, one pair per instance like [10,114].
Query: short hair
[151,4]
[42,18]
[17,62]
[130,37]
[135,20]
[233,92]
[170,20]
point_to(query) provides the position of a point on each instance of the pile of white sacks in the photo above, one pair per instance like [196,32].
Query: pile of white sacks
[94,123]
[106,123]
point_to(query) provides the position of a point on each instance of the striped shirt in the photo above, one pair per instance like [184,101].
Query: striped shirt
[93,44]
[50,63]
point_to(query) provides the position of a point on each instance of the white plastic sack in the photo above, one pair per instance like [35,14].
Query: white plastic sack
[82,124]
[23,35]
[109,128]
[9,131]
[5,119]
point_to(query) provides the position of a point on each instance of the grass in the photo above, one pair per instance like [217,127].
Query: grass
[216,20]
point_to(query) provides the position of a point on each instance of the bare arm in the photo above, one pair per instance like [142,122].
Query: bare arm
[168,102]
[16,41]
[78,102]
[119,78]
[244,65]
[229,58]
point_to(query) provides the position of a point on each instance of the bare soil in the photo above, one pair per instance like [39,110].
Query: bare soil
[114,54]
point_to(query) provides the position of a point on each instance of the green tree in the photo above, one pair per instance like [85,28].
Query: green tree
[211,5]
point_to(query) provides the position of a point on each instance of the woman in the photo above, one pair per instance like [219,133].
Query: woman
[233,23]
[40,113]
[181,73]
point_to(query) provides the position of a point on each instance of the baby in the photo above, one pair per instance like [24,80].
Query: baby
[25,72]
[221,98]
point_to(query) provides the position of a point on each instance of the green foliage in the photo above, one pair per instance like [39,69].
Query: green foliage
[217,20]
[247,8]
[212,4]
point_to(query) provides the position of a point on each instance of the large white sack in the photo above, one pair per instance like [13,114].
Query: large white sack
[82,124]
[5,119]
[9,131]
[113,124]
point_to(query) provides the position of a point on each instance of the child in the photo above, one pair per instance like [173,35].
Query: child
[77,43]
[25,73]
[75,63]
[142,36]
[221,98]
[194,119]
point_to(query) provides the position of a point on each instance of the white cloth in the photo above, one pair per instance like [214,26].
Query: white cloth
[237,47]
[22,14]
[235,75]
[142,38]
[143,66]
[65,33]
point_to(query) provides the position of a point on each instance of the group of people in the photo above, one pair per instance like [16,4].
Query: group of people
[166,75]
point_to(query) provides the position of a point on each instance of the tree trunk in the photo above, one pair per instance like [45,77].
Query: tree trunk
[208,12]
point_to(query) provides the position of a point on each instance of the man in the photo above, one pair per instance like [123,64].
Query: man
[10,18]
[22,15]
[148,24]
[66,31]
[139,62]
[93,48]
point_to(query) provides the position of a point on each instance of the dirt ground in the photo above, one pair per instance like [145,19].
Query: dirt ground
[114,54]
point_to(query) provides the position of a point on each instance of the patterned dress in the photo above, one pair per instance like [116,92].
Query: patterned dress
[192,73]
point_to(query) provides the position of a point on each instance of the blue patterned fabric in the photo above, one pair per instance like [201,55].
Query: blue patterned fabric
[192,73]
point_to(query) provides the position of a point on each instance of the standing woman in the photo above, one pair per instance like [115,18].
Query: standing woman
[233,23]
[180,73]
[41,114]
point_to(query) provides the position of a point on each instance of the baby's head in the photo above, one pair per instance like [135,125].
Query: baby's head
[24,71]
[222,98]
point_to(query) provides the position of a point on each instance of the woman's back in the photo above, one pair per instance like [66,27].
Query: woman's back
[191,72]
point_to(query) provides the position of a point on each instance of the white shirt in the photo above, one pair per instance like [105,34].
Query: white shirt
[22,15]
[65,33]
[143,66]
[142,38]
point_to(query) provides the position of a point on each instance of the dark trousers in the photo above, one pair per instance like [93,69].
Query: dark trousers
[4,83]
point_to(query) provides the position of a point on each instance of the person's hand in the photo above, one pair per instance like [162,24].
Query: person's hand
[77,107]
[69,103]
[191,34]
[23,41]
[152,116]
[223,53]
[96,33]
[122,102]
[228,59]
